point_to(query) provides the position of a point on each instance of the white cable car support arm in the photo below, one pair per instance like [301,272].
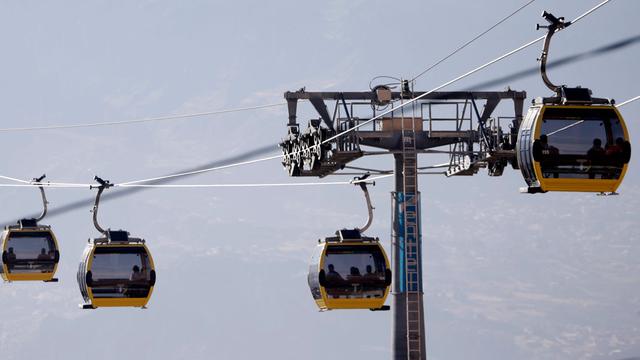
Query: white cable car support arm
[628,101]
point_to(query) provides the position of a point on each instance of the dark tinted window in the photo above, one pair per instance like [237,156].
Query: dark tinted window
[30,252]
[120,272]
[354,271]
[580,143]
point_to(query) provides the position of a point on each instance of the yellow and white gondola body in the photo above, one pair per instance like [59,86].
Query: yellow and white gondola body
[582,148]
[349,274]
[29,252]
[116,273]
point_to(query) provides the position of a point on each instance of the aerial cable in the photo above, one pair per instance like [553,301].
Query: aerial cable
[117,193]
[535,70]
[135,184]
[628,101]
[216,112]
[49,185]
[411,101]
[288,184]
[383,113]
[39,183]
[14,179]
[472,40]
[471,72]
[368,169]
[143,120]
[589,12]
[200,171]
[224,111]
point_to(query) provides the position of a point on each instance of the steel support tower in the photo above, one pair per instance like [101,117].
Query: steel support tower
[408,340]
[474,141]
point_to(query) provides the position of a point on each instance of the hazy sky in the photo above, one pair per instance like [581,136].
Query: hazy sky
[507,275]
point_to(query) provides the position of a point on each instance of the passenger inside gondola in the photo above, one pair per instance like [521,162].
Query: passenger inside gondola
[369,274]
[619,153]
[138,286]
[333,277]
[354,273]
[596,159]
[614,148]
[11,258]
[541,148]
[372,280]
[546,154]
[135,273]
[43,255]
[596,153]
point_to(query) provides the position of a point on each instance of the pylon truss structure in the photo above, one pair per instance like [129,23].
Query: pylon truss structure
[461,121]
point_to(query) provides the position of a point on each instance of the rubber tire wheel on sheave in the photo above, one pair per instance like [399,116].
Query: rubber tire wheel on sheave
[296,159]
[286,155]
[306,151]
[318,147]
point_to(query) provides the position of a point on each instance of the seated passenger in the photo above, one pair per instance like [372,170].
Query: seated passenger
[11,255]
[333,277]
[615,158]
[43,255]
[619,152]
[354,273]
[596,156]
[596,152]
[11,258]
[541,148]
[371,280]
[137,275]
[546,154]
[613,149]
[370,274]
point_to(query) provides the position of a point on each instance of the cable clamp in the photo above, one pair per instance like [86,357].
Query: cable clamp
[105,184]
